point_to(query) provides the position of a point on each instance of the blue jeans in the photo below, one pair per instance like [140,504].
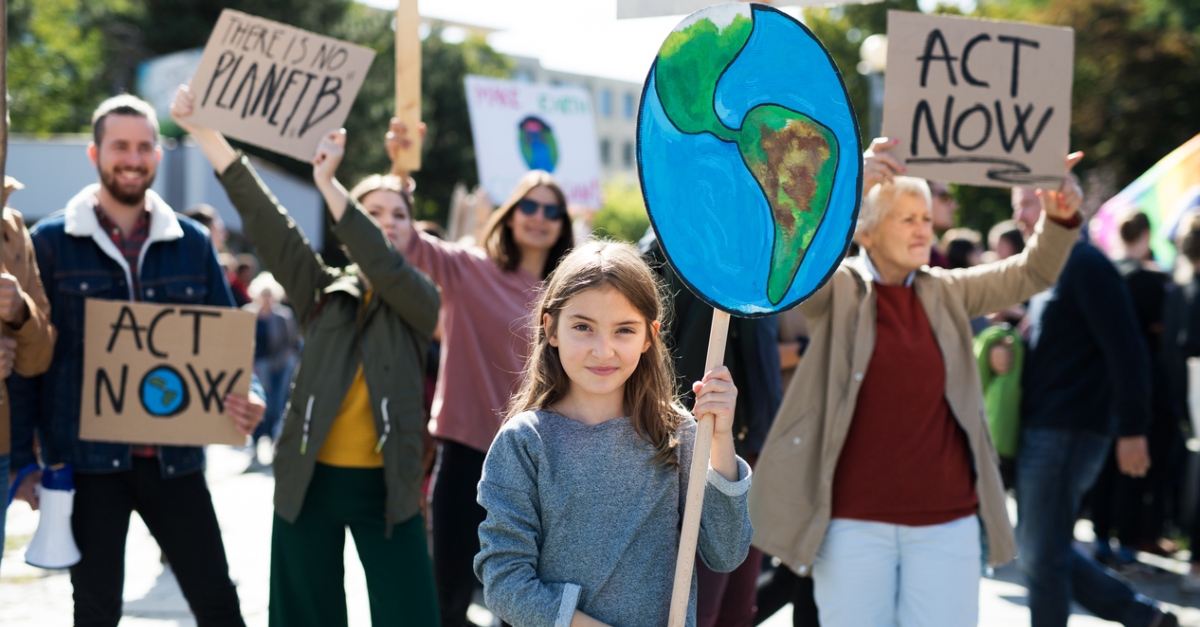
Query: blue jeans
[4,491]
[1055,467]
[276,385]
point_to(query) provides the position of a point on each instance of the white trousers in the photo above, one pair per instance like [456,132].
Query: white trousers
[870,574]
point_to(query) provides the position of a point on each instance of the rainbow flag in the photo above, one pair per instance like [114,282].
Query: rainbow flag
[1166,192]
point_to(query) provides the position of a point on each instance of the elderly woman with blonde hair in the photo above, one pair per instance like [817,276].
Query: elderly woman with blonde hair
[878,477]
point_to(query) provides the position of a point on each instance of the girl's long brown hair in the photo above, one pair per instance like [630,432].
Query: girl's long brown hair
[498,235]
[649,391]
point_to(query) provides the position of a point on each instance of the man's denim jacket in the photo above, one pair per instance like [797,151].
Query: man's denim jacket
[78,260]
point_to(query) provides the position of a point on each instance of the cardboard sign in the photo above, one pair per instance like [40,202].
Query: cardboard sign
[520,127]
[978,101]
[627,9]
[275,86]
[158,374]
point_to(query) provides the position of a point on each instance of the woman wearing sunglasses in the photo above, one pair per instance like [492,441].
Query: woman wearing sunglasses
[487,295]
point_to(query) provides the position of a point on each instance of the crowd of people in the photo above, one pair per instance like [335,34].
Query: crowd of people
[517,413]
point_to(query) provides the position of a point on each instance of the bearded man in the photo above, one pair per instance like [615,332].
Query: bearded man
[118,240]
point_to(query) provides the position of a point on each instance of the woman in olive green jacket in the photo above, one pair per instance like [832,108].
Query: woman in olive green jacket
[350,451]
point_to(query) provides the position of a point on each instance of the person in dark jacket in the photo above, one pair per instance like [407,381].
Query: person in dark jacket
[118,240]
[1136,509]
[752,356]
[1086,381]
[350,451]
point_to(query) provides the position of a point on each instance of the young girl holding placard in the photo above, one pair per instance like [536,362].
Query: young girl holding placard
[584,485]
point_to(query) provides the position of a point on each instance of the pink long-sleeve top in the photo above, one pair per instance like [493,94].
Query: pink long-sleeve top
[485,337]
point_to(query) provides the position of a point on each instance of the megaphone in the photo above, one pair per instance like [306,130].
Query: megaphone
[53,545]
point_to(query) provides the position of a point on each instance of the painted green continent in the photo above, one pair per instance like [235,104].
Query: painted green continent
[791,156]
[690,65]
[794,159]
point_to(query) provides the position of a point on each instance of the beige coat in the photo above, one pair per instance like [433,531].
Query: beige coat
[790,500]
[35,338]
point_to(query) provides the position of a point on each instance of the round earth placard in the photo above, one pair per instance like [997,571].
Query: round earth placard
[750,158]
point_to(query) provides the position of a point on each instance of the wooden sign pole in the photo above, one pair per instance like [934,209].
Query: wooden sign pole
[3,108]
[408,84]
[3,131]
[697,480]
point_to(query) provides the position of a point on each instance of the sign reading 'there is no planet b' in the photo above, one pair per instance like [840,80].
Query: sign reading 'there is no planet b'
[980,102]
[276,86]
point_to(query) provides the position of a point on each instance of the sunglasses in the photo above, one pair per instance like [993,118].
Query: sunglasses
[530,207]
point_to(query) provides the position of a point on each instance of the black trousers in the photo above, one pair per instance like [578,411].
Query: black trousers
[454,517]
[179,513]
[779,586]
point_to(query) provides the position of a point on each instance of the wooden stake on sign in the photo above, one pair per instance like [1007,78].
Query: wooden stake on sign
[697,480]
[408,84]
[3,133]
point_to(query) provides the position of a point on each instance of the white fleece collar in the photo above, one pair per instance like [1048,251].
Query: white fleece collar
[81,219]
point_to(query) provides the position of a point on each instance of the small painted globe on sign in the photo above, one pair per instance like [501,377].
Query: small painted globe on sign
[163,392]
[750,158]
[538,146]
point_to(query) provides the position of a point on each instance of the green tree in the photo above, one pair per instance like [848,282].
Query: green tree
[171,25]
[59,56]
[841,29]
[623,215]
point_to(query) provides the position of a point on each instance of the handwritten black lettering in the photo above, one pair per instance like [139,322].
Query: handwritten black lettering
[208,392]
[225,87]
[196,316]
[939,142]
[116,400]
[1009,171]
[328,89]
[270,85]
[270,52]
[236,29]
[307,81]
[936,38]
[150,333]
[286,85]
[252,77]
[1019,129]
[1017,42]
[224,63]
[963,117]
[120,325]
[303,41]
[966,70]
[329,59]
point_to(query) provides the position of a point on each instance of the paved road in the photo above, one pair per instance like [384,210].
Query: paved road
[31,597]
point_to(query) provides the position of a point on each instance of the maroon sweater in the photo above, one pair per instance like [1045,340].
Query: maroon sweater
[906,461]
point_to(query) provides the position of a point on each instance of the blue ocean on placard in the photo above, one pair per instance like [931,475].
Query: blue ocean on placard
[708,210]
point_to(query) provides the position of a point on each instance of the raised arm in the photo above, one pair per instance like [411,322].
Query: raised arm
[266,223]
[29,323]
[403,287]
[994,286]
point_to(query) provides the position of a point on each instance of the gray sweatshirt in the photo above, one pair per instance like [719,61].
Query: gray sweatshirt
[578,517]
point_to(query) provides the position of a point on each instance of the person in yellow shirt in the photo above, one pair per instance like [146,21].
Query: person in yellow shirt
[349,455]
